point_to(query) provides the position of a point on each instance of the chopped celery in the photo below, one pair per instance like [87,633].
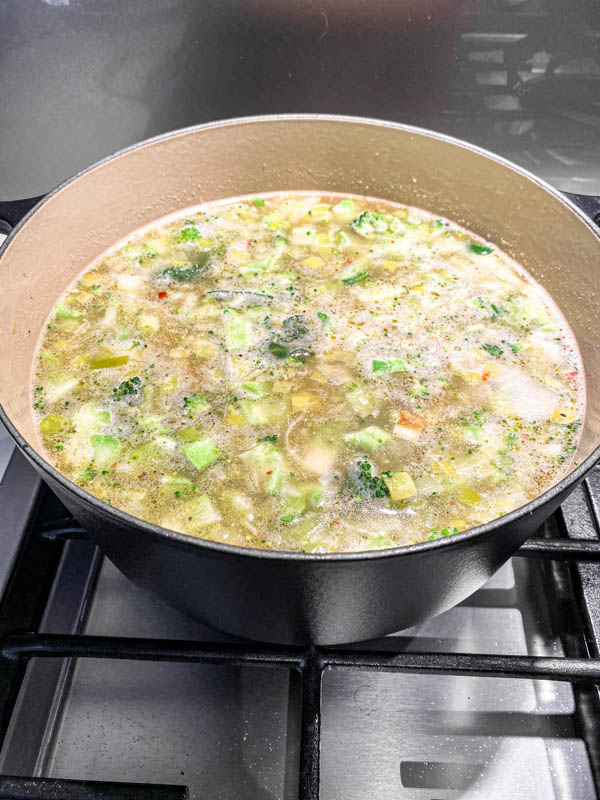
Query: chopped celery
[369,437]
[202,452]
[53,424]
[196,402]
[300,499]
[400,485]
[239,330]
[392,365]
[381,541]
[106,450]
[362,401]
[49,359]
[258,388]
[58,386]
[264,411]
[267,464]
[202,511]
[105,362]
[176,481]
[304,401]
[189,434]
[90,419]
[63,312]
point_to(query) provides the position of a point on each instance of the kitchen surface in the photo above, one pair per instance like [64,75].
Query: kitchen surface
[401,718]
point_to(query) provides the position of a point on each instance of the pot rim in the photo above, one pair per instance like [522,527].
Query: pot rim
[456,540]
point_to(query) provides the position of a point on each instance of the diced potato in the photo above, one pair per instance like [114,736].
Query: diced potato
[208,311]
[390,266]
[314,262]
[564,415]
[189,434]
[304,401]
[169,384]
[400,485]
[317,376]
[408,426]
[234,417]
[239,257]
[90,278]
[362,401]
[204,349]
[319,459]
[282,387]
[470,497]
[445,467]
[53,424]
[148,324]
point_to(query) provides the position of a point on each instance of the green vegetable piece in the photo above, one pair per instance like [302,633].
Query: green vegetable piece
[189,434]
[191,273]
[196,402]
[188,234]
[264,410]
[370,437]
[480,249]
[108,361]
[258,201]
[177,481]
[360,276]
[258,388]
[202,453]
[202,511]
[53,424]
[288,517]
[370,223]
[106,450]
[381,541]
[130,389]
[267,464]
[366,484]
[393,365]
[436,533]
[239,331]
[49,359]
[493,349]
[62,312]
[277,349]
[323,317]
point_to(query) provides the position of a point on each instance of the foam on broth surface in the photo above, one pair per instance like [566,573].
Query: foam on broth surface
[302,372]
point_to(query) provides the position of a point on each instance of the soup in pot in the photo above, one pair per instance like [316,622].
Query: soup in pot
[311,373]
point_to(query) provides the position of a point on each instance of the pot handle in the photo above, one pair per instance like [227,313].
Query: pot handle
[588,203]
[13,211]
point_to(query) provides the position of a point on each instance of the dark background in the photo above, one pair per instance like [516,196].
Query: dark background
[82,78]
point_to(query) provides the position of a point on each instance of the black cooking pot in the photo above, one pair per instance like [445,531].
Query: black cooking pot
[297,597]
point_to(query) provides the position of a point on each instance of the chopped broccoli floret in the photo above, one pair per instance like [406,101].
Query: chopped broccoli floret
[188,234]
[129,389]
[183,274]
[365,483]
[370,223]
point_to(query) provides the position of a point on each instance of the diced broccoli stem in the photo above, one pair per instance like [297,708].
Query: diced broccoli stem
[202,453]
[370,437]
[106,450]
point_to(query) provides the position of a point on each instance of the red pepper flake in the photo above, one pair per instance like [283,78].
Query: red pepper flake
[270,472]
[485,376]
[572,374]
[335,522]
[348,261]
[162,295]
